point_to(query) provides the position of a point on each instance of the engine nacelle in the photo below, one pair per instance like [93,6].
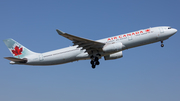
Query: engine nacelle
[112,47]
[114,56]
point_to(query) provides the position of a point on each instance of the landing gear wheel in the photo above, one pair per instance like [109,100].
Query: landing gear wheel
[97,63]
[162,45]
[92,62]
[95,60]
[93,66]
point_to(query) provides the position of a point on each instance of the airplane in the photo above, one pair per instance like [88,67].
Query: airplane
[110,48]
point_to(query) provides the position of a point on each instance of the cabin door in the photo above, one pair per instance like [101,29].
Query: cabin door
[41,57]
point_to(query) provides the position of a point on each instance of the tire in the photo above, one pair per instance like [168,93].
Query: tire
[97,63]
[93,66]
[162,45]
[92,62]
[96,59]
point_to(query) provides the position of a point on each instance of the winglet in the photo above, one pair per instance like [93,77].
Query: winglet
[59,32]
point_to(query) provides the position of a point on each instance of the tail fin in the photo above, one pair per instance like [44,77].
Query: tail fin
[18,50]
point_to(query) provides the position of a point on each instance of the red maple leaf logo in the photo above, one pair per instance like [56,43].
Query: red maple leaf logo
[17,51]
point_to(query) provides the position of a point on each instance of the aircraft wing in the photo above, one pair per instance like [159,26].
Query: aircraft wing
[87,44]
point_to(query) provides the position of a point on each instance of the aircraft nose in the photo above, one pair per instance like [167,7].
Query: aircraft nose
[174,31]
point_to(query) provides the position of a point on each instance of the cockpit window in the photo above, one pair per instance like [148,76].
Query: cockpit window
[169,27]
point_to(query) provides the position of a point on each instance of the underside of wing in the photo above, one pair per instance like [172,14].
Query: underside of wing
[87,44]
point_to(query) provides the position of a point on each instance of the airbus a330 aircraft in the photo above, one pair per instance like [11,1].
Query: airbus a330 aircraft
[109,48]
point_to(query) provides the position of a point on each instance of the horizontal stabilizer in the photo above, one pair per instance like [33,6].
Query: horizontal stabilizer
[16,59]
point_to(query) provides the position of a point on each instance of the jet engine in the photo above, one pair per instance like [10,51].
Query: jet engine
[112,47]
[113,56]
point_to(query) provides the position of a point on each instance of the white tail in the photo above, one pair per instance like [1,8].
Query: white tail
[18,50]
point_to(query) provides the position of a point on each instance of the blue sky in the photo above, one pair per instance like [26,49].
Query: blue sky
[146,73]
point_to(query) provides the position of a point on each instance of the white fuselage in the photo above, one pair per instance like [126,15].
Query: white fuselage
[128,40]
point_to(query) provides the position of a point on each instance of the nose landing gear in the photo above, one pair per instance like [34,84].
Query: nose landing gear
[162,45]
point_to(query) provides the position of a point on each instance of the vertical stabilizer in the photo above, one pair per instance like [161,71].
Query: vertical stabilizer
[18,50]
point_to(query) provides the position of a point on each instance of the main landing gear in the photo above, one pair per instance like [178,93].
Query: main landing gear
[162,45]
[95,61]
